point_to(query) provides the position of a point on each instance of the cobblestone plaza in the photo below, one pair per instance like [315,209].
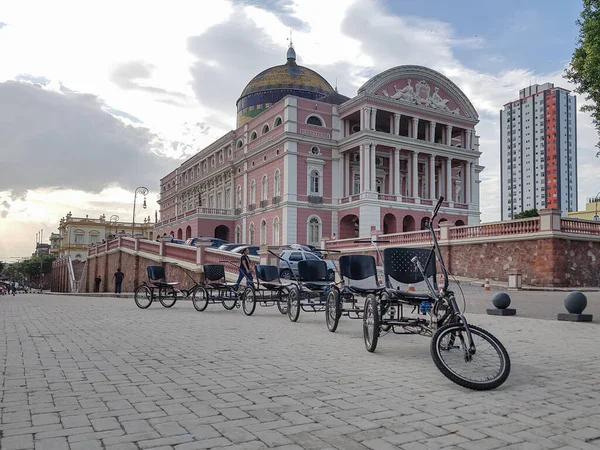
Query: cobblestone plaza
[85,373]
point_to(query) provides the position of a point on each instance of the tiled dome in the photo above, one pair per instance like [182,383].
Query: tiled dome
[272,84]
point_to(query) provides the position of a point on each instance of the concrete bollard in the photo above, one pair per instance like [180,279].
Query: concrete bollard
[575,303]
[501,301]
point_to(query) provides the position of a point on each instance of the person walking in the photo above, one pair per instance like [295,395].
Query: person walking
[118,280]
[245,270]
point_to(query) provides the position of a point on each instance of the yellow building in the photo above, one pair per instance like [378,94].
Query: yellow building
[592,210]
[76,234]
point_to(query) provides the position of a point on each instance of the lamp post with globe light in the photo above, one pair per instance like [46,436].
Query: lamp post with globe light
[143,191]
[114,218]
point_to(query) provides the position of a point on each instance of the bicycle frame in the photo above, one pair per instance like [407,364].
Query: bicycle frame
[444,292]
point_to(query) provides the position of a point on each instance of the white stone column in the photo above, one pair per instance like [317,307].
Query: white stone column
[415,127]
[390,175]
[361,166]
[346,128]
[397,124]
[449,180]
[415,174]
[373,168]
[373,118]
[468,139]
[397,171]
[392,125]
[469,182]
[432,131]
[366,159]
[362,119]
[448,134]
[432,176]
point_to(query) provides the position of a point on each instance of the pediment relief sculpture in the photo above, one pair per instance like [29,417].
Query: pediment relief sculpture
[421,95]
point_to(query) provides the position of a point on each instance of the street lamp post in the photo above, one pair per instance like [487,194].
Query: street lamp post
[143,191]
[116,219]
[596,218]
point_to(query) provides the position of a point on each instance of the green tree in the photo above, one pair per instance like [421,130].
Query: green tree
[584,69]
[525,214]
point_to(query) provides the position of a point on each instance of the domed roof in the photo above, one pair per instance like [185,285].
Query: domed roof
[288,76]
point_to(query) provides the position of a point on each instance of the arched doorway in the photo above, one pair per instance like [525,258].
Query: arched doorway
[459,223]
[188,232]
[408,224]
[389,223]
[349,227]
[180,234]
[424,223]
[222,232]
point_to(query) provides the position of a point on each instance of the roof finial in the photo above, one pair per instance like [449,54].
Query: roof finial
[336,84]
[291,53]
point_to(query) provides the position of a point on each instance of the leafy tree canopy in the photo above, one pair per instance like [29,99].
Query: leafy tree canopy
[525,214]
[584,69]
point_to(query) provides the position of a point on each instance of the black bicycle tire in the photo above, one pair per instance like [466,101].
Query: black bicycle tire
[139,288]
[293,316]
[197,305]
[249,291]
[333,321]
[461,381]
[371,346]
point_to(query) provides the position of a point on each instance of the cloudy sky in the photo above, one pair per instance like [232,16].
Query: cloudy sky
[97,98]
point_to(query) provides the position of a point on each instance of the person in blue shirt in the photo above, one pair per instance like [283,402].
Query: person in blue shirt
[245,270]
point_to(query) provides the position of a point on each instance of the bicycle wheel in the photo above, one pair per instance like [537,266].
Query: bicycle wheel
[371,324]
[249,301]
[487,369]
[282,301]
[143,296]
[167,299]
[229,299]
[293,308]
[200,299]
[333,310]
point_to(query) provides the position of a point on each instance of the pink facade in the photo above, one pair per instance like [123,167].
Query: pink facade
[305,169]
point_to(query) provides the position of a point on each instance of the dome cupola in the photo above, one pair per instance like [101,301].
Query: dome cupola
[273,84]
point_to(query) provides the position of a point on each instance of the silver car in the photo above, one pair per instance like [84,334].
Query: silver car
[293,256]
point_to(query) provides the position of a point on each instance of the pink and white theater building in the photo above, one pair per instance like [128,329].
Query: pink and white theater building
[305,162]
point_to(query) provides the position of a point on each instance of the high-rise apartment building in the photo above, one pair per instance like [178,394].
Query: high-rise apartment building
[538,151]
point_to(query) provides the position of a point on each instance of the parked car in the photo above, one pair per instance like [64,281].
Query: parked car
[178,241]
[307,248]
[214,242]
[231,246]
[252,249]
[293,256]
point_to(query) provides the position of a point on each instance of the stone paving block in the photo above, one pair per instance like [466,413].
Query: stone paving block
[88,445]
[75,421]
[272,438]
[21,442]
[55,443]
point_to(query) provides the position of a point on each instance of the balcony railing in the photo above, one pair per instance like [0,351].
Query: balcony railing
[237,211]
[276,199]
[251,207]
[264,203]
[315,199]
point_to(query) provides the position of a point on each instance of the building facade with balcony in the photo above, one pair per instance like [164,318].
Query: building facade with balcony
[317,163]
[538,151]
[76,234]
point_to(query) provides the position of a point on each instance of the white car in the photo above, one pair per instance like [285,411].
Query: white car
[292,257]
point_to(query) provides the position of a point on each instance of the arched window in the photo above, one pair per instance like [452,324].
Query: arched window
[240,143]
[251,234]
[276,231]
[314,231]
[278,122]
[276,182]
[239,197]
[252,192]
[314,120]
[238,234]
[220,200]
[228,198]
[263,232]
[265,129]
[265,188]
[315,183]
[315,151]
[253,136]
